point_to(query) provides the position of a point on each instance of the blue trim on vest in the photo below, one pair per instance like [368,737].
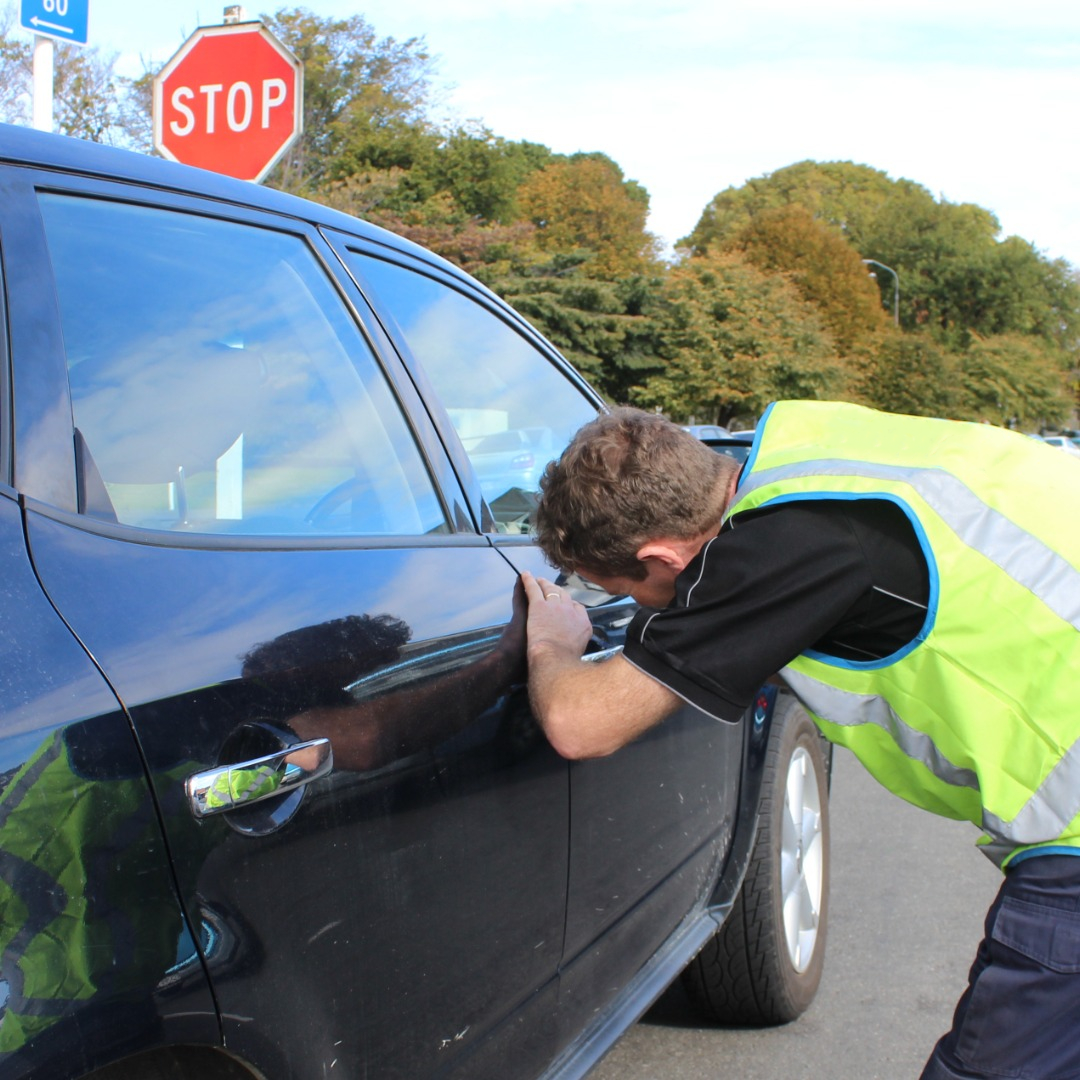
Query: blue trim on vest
[751,458]
[928,554]
[1034,853]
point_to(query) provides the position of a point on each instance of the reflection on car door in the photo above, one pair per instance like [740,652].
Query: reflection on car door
[82,857]
[265,556]
[636,864]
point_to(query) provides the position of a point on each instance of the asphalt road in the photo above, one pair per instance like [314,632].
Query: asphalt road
[909,895]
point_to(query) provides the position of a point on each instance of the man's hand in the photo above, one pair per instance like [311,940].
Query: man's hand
[586,710]
[556,623]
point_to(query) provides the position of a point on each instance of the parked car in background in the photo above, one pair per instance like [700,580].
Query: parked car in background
[272,800]
[706,431]
[1063,442]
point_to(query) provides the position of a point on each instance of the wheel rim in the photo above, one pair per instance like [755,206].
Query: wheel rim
[801,859]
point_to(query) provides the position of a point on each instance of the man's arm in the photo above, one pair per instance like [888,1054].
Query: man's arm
[586,709]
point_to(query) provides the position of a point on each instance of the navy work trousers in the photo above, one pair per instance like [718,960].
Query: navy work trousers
[1020,1015]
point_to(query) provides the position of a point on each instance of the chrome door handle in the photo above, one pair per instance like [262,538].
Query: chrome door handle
[247,782]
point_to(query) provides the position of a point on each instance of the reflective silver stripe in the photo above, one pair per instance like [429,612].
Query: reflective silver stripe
[1025,558]
[1048,813]
[1043,818]
[847,709]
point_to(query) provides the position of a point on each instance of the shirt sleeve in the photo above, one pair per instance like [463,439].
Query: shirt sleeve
[758,594]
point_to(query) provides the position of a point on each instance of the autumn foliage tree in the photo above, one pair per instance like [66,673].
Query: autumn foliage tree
[960,285]
[583,205]
[822,264]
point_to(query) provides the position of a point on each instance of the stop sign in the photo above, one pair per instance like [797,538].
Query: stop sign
[230,100]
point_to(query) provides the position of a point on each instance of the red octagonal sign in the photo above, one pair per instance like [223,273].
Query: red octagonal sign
[230,100]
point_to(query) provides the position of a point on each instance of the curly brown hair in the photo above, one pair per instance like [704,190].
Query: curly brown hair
[626,478]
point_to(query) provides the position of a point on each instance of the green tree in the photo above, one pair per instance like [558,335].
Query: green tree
[909,373]
[735,338]
[89,98]
[365,99]
[608,329]
[483,173]
[1011,380]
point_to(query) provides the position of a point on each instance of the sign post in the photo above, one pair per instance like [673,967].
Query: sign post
[62,20]
[230,100]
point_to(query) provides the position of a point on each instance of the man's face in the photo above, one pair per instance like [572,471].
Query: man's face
[656,590]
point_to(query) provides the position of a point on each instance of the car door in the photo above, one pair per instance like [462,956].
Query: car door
[237,503]
[649,825]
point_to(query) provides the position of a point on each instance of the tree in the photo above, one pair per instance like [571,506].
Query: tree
[736,338]
[958,281]
[912,374]
[483,173]
[841,193]
[15,66]
[823,265]
[608,329]
[365,99]
[583,205]
[1010,380]
[88,96]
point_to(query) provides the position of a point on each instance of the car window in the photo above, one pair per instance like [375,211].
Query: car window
[219,384]
[512,408]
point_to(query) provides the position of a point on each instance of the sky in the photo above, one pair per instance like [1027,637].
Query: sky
[977,100]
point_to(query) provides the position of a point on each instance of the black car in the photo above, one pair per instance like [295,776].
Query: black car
[272,802]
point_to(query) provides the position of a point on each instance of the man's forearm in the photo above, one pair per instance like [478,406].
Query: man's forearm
[560,697]
[590,710]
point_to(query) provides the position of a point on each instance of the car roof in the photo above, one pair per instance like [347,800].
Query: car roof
[26,146]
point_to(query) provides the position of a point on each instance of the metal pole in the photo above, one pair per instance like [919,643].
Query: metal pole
[43,83]
[896,287]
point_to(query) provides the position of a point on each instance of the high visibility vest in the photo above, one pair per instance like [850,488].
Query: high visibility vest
[978,718]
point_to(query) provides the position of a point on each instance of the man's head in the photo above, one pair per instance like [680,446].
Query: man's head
[628,479]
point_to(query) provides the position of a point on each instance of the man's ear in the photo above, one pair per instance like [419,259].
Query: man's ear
[665,553]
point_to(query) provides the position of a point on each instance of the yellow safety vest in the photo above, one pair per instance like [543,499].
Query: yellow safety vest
[979,717]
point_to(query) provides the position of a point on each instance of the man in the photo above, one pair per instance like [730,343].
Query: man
[916,583]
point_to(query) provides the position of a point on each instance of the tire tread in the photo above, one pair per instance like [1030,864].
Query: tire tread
[738,978]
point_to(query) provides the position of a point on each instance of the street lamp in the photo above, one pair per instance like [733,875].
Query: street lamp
[896,286]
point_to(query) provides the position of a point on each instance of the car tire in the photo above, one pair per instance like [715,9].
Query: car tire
[763,966]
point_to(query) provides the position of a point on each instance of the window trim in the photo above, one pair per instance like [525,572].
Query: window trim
[7,398]
[205,541]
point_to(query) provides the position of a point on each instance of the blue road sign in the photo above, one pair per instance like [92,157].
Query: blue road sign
[65,20]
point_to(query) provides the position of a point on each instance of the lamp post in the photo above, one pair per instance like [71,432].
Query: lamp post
[896,287]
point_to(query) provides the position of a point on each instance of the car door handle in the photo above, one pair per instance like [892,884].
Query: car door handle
[244,783]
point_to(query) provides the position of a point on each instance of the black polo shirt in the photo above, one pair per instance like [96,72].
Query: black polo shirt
[842,577]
